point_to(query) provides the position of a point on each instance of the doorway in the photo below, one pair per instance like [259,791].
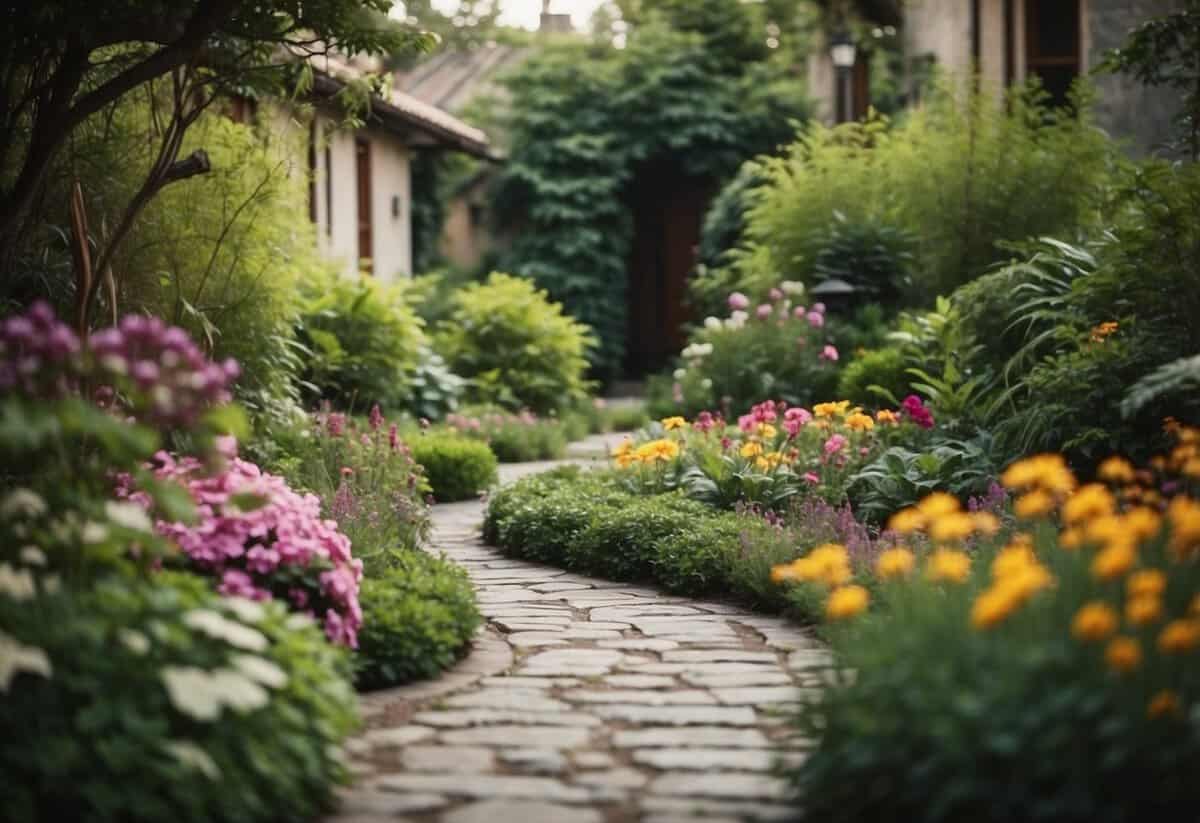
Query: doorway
[362,156]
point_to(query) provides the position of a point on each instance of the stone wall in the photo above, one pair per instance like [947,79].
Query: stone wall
[1126,109]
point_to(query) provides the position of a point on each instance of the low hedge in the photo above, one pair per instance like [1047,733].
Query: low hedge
[457,468]
[587,522]
[418,618]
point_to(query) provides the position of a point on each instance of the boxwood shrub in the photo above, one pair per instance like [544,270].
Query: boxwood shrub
[418,618]
[457,468]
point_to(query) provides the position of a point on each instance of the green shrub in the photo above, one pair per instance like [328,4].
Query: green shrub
[870,255]
[365,342]
[624,417]
[516,348]
[433,391]
[885,368]
[623,544]
[700,560]
[960,175]
[513,438]
[418,617]
[457,468]
[102,734]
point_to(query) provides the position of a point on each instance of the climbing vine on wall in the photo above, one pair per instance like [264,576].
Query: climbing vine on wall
[582,121]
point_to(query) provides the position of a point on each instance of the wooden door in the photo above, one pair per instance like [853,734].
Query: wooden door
[362,155]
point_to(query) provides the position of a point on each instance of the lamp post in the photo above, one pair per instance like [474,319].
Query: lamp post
[843,52]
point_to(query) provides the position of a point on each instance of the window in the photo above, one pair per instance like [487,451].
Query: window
[1052,45]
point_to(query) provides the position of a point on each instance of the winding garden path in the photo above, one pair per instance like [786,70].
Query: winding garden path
[585,701]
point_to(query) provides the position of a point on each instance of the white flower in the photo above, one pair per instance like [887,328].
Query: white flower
[246,610]
[15,657]
[51,584]
[260,670]
[238,692]
[679,374]
[33,556]
[218,626]
[712,323]
[128,515]
[706,383]
[736,319]
[16,583]
[135,641]
[298,621]
[792,287]
[93,533]
[190,690]
[194,757]
[24,503]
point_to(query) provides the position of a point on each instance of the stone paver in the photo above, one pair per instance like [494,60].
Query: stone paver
[600,702]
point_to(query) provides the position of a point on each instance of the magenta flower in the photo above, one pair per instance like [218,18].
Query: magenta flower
[376,417]
[917,411]
[704,422]
[819,307]
[739,301]
[815,319]
[812,477]
[835,444]
[829,353]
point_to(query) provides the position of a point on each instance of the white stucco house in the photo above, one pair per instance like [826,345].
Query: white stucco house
[360,190]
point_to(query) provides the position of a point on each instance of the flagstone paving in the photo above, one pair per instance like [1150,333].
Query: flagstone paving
[588,701]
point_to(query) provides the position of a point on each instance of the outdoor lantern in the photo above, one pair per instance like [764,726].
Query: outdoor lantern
[835,292]
[842,50]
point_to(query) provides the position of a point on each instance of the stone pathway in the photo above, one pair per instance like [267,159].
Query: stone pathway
[609,702]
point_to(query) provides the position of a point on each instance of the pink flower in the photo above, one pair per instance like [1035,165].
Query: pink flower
[819,307]
[393,437]
[829,353]
[795,419]
[376,417]
[746,422]
[704,422]
[739,301]
[918,412]
[835,444]
[763,412]
[816,319]
[812,477]
[726,443]
[798,312]
[763,311]
[335,424]
[776,294]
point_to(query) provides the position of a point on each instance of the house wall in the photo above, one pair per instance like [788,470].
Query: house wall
[337,187]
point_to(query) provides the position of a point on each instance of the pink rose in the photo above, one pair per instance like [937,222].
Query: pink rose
[829,353]
[739,301]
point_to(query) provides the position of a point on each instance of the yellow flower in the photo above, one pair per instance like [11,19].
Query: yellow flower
[1048,472]
[1142,522]
[1146,583]
[1011,559]
[1103,330]
[1037,503]
[1028,581]
[785,571]
[663,450]
[846,602]
[767,431]
[887,416]
[937,504]
[830,564]
[985,523]
[670,423]
[1114,560]
[860,422]
[1179,636]
[831,409]
[952,527]
[1090,501]
[949,565]
[906,521]
[1123,654]
[894,563]
[1095,621]
[1070,538]
[1163,703]
[623,448]
[1142,610]
[993,606]
[1183,514]
[1116,470]
[751,449]
[624,461]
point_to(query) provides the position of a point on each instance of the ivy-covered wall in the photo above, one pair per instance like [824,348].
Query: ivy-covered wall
[584,117]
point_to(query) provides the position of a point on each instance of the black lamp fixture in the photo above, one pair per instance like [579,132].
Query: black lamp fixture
[844,53]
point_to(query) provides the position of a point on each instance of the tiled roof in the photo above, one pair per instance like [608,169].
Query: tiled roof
[451,79]
[403,110]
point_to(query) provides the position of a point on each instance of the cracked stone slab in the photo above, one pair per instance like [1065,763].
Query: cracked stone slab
[620,778]
[771,677]
[465,759]
[758,695]
[719,656]
[388,804]
[640,681]
[553,737]
[398,736]
[513,699]
[535,760]
[641,696]
[639,644]
[719,785]
[708,759]
[678,715]
[461,718]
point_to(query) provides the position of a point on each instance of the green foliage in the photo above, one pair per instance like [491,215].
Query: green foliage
[701,559]
[516,348]
[881,368]
[434,390]
[418,618]
[1176,377]
[513,438]
[958,177]
[457,468]
[368,481]
[731,364]
[930,718]
[100,735]
[623,543]
[902,476]
[873,257]
[621,417]
[365,341]
[586,119]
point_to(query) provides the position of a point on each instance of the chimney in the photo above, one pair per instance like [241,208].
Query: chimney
[553,23]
